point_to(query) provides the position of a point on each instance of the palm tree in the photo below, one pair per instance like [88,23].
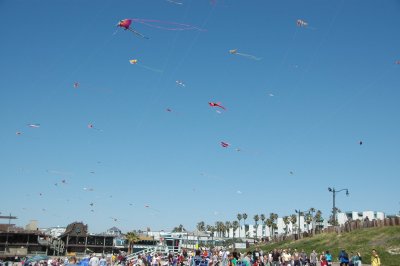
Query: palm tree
[235,226]
[274,219]
[180,229]
[132,238]
[239,217]
[293,219]
[228,226]
[318,217]
[286,221]
[201,226]
[262,218]
[308,219]
[211,229]
[311,212]
[256,219]
[244,215]
[269,223]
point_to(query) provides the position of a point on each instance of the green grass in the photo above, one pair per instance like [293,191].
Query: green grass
[382,239]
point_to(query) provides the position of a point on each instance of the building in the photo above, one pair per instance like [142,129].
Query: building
[16,241]
[343,217]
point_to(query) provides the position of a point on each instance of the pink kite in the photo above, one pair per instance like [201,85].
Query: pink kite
[224,144]
[159,24]
[214,104]
[397,62]
[76,85]
[91,126]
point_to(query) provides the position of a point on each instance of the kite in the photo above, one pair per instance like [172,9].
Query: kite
[91,126]
[175,2]
[126,24]
[135,62]
[168,110]
[301,23]
[291,172]
[88,189]
[115,219]
[158,24]
[249,56]
[91,204]
[148,206]
[361,143]
[397,62]
[271,95]
[225,144]
[18,133]
[180,83]
[34,125]
[214,104]
[239,192]
[76,85]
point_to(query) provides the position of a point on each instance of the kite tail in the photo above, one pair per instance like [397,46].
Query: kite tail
[250,56]
[152,69]
[138,33]
[174,25]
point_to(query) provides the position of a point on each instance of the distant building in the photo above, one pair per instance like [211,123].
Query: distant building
[343,217]
[53,231]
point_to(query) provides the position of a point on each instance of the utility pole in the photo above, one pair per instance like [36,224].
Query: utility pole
[298,228]
[334,210]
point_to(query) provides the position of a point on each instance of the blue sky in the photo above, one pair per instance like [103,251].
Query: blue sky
[334,83]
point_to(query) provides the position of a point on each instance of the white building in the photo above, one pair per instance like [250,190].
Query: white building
[343,217]
[54,231]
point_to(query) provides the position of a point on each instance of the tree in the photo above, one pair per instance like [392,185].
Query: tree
[293,219]
[132,238]
[274,219]
[311,211]
[286,221]
[244,215]
[269,224]
[201,226]
[239,217]
[318,218]
[235,226]
[256,219]
[228,226]
[179,229]
[262,218]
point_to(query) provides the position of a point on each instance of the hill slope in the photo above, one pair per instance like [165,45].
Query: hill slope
[386,240]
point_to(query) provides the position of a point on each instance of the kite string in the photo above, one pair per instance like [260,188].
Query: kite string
[183,26]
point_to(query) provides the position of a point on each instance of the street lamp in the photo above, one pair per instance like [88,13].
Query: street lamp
[334,191]
[298,229]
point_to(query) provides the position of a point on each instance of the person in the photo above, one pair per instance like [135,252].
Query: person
[94,260]
[303,258]
[286,258]
[343,258]
[247,259]
[71,261]
[276,257]
[324,262]
[196,260]
[328,257]
[375,260]
[313,258]
[296,258]
[358,260]
[103,261]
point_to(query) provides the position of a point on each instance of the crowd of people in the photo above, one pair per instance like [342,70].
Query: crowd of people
[212,257]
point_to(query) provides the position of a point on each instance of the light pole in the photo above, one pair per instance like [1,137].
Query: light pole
[298,229]
[334,191]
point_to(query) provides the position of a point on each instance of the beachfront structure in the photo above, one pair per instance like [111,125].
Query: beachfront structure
[343,217]
[54,232]
[17,241]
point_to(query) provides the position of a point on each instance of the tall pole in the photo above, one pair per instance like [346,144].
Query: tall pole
[334,210]
[334,206]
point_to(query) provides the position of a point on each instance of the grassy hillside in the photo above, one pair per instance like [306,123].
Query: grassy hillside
[386,240]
